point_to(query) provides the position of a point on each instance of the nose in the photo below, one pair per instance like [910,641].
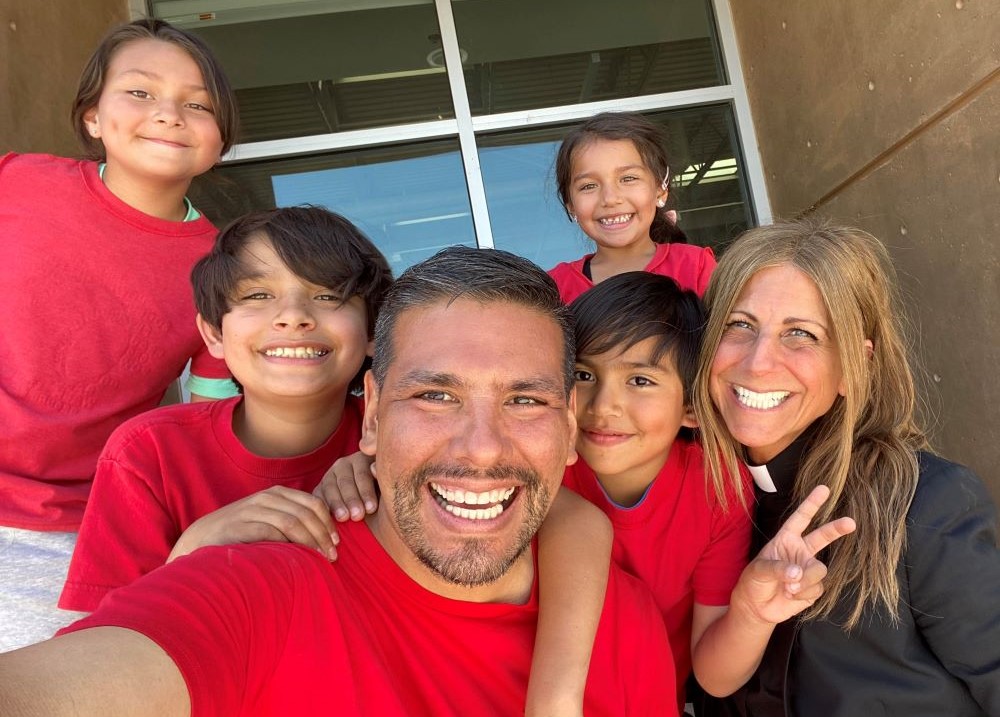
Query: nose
[603,399]
[294,312]
[762,354]
[167,111]
[480,438]
[610,193]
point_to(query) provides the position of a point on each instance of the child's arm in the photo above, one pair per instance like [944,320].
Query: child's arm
[574,552]
[209,378]
[783,580]
[278,513]
[349,488]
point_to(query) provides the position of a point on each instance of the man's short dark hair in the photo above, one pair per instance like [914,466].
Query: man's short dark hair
[628,308]
[319,246]
[483,275]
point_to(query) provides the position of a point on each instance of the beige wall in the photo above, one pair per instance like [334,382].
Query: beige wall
[887,115]
[43,45]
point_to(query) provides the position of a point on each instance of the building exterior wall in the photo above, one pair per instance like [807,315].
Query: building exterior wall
[44,44]
[885,115]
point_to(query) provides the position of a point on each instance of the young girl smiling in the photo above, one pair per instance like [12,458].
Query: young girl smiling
[613,179]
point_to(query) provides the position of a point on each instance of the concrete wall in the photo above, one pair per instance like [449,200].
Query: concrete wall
[887,116]
[43,45]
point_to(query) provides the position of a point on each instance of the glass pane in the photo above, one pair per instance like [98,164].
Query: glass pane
[411,200]
[524,54]
[305,68]
[708,184]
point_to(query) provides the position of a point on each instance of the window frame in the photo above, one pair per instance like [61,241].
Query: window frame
[466,127]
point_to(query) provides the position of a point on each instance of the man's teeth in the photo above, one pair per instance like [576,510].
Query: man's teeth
[620,219]
[752,399]
[477,514]
[296,352]
[454,500]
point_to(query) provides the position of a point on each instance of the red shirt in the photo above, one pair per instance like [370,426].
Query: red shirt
[690,266]
[677,539]
[162,471]
[275,629]
[99,320]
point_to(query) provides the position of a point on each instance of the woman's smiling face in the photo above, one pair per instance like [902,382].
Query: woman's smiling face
[777,367]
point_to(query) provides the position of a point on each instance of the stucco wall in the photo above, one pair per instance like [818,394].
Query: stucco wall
[44,44]
[887,115]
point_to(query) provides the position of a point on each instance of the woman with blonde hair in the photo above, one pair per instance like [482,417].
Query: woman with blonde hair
[804,376]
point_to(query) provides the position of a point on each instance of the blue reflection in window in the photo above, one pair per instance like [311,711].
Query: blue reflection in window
[410,208]
[525,213]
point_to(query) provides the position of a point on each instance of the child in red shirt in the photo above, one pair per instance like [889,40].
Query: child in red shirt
[288,298]
[94,260]
[613,179]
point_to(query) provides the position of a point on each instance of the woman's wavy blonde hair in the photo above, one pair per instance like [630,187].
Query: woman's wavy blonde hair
[864,447]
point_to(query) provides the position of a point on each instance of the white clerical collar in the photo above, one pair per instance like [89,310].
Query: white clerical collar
[762,478]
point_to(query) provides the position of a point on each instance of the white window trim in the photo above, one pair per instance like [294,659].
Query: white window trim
[744,120]
[466,131]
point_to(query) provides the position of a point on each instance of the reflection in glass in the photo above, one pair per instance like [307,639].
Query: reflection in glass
[708,184]
[524,54]
[410,200]
[331,71]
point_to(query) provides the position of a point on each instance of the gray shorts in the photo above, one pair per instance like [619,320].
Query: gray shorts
[33,568]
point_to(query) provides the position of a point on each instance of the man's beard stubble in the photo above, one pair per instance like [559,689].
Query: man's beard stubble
[471,565]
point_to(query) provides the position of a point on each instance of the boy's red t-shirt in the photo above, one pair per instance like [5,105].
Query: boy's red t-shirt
[162,471]
[677,539]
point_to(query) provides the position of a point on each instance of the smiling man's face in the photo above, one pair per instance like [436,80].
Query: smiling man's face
[472,430]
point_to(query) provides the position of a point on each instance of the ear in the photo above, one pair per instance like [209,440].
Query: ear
[211,336]
[689,420]
[369,426]
[91,122]
[661,196]
[572,456]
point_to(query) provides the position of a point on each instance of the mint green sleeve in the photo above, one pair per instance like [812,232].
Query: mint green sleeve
[211,387]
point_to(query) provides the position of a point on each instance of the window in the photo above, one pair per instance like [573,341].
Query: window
[431,123]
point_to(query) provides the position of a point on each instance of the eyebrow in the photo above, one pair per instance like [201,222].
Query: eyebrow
[632,365]
[538,384]
[440,379]
[267,274]
[624,168]
[641,365]
[255,275]
[155,76]
[420,377]
[787,320]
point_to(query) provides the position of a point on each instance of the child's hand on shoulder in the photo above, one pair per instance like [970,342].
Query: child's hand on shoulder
[278,513]
[349,488]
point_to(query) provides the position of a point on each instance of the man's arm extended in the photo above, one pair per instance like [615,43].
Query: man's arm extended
[103,671]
